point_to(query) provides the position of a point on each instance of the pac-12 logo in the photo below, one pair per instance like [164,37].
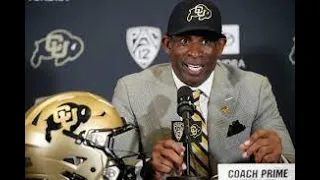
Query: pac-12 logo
[292,53]
[59,45]
[178,128]
[143,43]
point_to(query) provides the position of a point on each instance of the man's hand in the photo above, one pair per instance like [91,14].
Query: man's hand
[167,156]
[265,145]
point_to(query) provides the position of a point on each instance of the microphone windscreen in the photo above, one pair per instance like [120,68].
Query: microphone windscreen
[185,101]
[184,94]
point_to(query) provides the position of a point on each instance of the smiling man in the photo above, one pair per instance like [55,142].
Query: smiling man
[237,110]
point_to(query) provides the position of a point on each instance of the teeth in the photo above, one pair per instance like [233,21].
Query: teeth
[194,67]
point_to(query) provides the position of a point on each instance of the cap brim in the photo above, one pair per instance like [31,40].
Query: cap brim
[188,29]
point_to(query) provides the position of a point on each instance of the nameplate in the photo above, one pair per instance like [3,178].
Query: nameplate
[256,171]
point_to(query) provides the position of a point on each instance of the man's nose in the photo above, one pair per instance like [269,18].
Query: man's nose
[195,50]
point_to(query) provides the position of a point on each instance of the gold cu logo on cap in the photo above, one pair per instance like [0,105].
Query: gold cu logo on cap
[200,11]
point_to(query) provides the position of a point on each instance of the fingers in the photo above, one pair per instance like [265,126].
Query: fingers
[255,146]
[171,144]
[262,152]
[271,158]
[167,155]
[163,165]
[171,156]
[264,144]
[258,134]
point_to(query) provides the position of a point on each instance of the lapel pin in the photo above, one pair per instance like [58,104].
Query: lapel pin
[225,109]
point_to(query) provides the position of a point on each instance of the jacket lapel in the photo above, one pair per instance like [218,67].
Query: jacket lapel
[221,108]
[223,97]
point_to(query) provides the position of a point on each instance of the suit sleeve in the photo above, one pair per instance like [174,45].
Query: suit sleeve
[127,142]
[268,117]
[121,101]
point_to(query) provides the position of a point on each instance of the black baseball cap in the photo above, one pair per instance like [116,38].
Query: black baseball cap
[195,15]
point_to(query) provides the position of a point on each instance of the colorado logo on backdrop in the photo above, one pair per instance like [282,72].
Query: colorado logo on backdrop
[59,45]
[231,50]
[143,43]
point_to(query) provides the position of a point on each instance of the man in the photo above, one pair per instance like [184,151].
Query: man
[240,119]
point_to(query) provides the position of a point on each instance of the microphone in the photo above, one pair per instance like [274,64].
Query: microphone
[185,102]
[185,110]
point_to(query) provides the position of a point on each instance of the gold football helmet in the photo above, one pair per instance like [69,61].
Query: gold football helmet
[70,135]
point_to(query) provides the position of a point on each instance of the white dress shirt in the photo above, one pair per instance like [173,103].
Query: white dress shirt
[205,87]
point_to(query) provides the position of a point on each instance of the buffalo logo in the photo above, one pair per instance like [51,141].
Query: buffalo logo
[200,11]
[66,113]
[178,128]
[195,130]
[59,45]
[143,44]
[292,53]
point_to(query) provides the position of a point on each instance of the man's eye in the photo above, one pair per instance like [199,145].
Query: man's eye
[205,41]
[184,41]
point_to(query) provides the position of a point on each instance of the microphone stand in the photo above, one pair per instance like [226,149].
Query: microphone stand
[187,142]
[185,110]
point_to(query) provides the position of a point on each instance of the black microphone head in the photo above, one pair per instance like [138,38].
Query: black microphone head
[184,92]
[185,100]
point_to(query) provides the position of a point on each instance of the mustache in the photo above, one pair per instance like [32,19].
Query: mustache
[195,61]
[190,59]
[201,60]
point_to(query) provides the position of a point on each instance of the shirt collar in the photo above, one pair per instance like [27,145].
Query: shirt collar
[205,87]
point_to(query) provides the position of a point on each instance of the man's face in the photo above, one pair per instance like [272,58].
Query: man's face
[193,55]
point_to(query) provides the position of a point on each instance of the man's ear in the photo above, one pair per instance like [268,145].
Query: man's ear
[221,42]
[166,44]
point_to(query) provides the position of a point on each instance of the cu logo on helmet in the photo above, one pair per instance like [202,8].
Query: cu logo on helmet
[65,114]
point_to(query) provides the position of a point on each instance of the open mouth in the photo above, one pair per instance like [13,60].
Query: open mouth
[193,68]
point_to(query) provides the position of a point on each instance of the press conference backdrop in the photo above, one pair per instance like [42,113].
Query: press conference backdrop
[87,45]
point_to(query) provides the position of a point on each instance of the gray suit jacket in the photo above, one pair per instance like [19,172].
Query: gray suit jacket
[149,98]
